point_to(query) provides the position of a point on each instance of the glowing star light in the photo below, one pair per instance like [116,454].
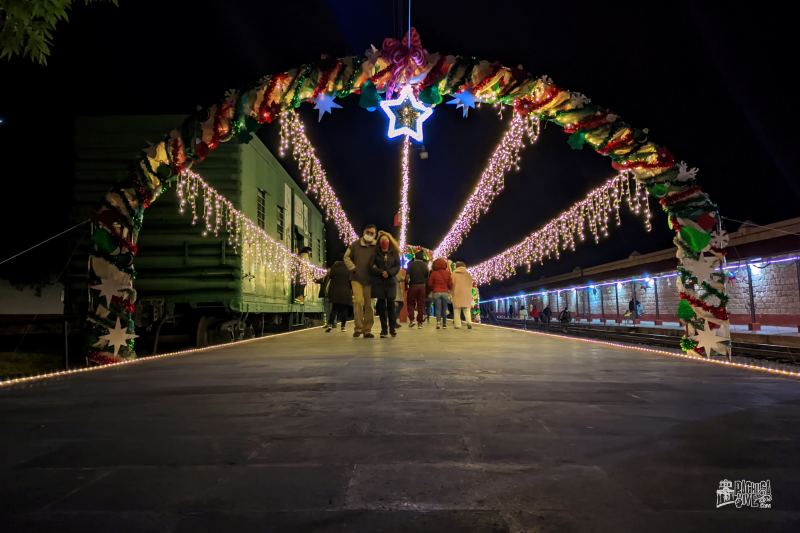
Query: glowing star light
[324,104]
[406,114]
[463,100]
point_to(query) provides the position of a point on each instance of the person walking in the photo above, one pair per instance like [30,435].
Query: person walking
[359,258]
[385,266]
[462,295]
[523,311]
[299,287]
[535,313]
[340,294]
[324,285]
[417,280]
[400,297]
[440,283]
[547,314]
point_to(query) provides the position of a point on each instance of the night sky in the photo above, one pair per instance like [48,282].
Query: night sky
[711,84]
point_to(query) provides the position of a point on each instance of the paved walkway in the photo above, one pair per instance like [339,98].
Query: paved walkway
[483,430]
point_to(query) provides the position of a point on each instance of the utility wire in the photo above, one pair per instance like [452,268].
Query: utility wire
[4,261]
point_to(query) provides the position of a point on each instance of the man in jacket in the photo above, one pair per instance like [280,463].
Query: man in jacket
[417,288]
[359,258]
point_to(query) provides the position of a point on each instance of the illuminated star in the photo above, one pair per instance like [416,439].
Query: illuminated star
[464,100]
[406,114]
[324,103]
[116,337]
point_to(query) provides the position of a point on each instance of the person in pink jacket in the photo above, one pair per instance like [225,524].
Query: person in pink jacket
[462,295]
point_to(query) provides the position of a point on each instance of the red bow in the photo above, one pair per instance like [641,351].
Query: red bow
[403,57]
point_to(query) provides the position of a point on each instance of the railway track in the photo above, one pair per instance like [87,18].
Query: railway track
[766,352]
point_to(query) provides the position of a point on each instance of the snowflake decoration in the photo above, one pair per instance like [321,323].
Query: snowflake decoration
[685,173]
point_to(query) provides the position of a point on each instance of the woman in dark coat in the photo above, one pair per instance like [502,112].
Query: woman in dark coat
[340,294]
[384,281]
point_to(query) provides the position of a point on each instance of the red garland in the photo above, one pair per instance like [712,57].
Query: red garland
[526,105]
[625,140]
[325,78]
[707,221]
[266,112]
[216,135]
[109,219]
[481,84]
[588,124]
[178,156]
[677,197]
[664,160]
[377,77]
[719,313]
[101,358]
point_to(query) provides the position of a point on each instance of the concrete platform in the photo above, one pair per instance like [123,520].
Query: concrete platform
[482,430]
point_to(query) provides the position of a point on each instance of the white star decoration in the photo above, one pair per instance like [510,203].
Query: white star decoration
[324,103]
[109,288]
[723,327]
[709,340]
[406,102]
[701,268]
[116,337]
[463,100]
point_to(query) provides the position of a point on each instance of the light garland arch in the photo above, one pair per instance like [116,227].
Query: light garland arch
[699,239]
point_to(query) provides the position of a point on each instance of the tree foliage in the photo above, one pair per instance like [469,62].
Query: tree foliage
[27,26]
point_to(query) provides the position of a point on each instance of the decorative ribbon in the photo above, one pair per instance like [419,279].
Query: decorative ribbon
[404,57]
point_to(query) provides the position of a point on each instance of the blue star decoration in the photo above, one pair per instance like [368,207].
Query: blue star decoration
[406,114]
[464,100]
[324,103]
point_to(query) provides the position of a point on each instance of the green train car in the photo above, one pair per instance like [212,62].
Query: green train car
[193,289]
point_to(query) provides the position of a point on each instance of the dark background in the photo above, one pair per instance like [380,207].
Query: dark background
[711,82]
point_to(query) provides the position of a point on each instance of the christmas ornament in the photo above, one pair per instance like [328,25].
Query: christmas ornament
[709,341]
[117,337]
[464,100]
[109,288]
[369,98]
[406,114]
[324,103]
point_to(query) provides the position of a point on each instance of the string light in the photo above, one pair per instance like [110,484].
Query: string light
[404,207]
[292,132]
[242,233]
[562,232]
[744,366]
[506,155]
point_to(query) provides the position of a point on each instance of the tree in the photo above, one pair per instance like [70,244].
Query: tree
[26,26]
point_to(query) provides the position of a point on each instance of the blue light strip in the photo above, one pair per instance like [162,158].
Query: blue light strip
[647,279]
